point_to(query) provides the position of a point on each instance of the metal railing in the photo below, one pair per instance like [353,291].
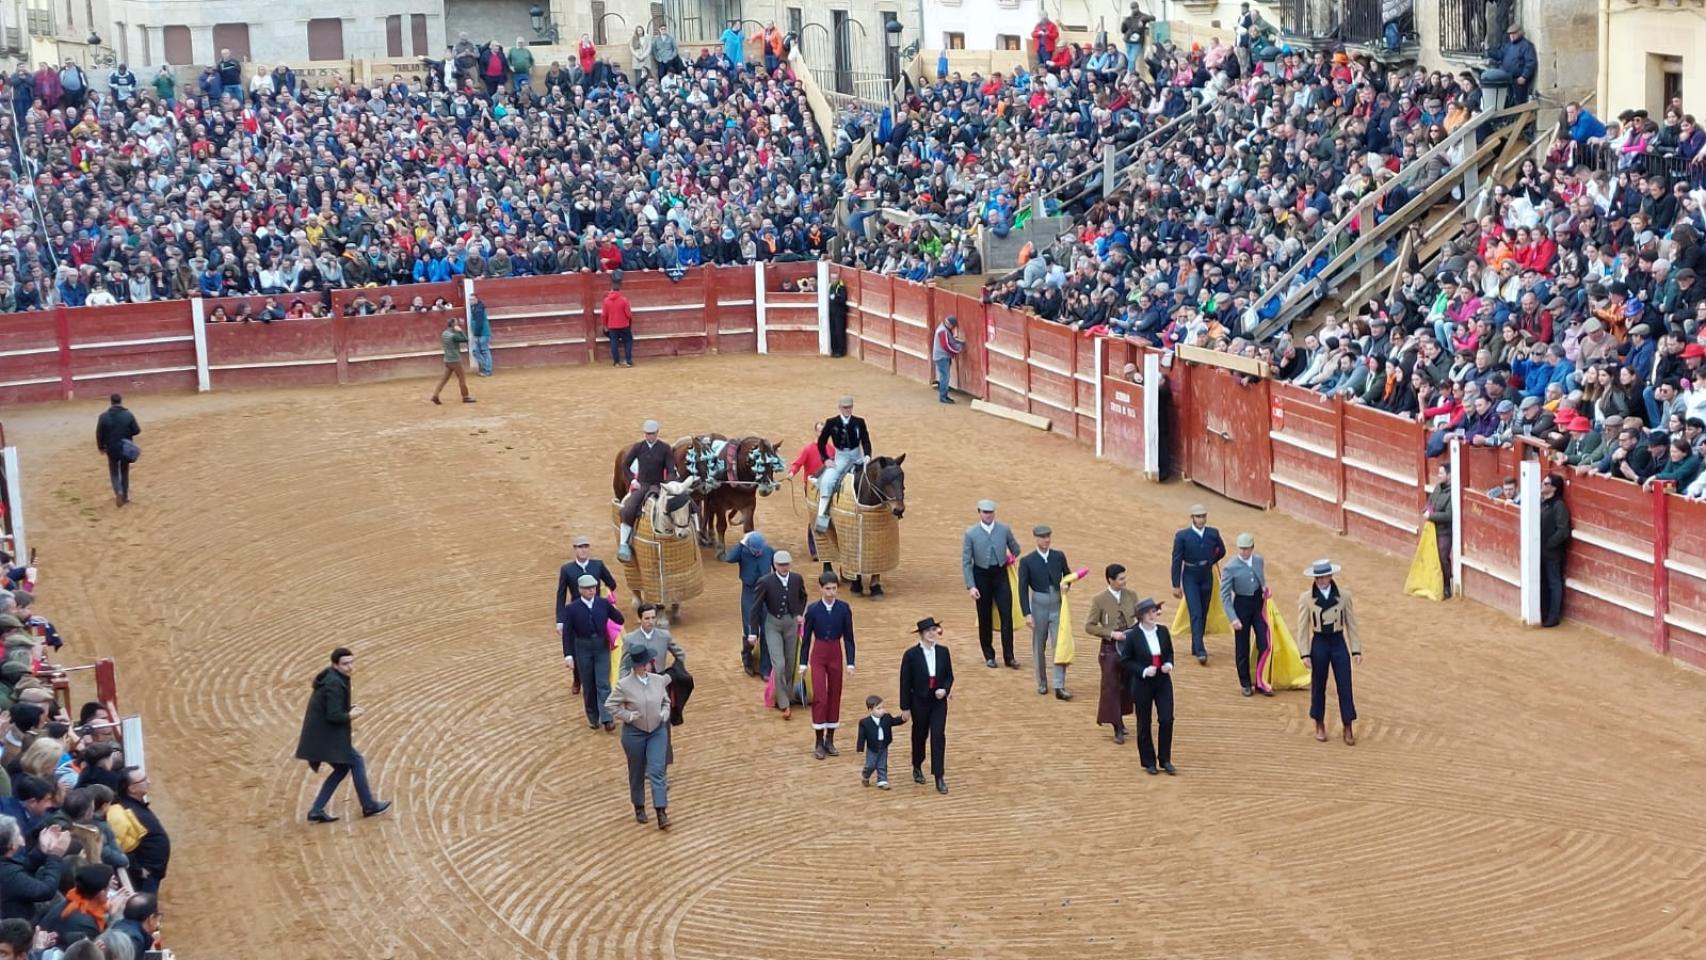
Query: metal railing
[1360,21]
[1296,18]
[1074,189]
[1463,27]
[1296,295]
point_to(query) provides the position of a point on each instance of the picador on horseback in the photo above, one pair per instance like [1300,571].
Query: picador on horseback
[852,442]
[650,463]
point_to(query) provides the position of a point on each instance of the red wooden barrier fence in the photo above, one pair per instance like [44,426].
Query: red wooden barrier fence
[1637,567]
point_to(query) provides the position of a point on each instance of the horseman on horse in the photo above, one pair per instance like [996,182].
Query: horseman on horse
[639,472]
[852,442]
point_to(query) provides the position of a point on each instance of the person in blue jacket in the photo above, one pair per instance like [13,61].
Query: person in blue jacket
[1517,57]
[755,557]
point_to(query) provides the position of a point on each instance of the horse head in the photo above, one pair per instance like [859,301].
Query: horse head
[887,478]
[672,512]
[766,465]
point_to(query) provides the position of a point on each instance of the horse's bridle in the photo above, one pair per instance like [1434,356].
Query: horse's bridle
[865,479]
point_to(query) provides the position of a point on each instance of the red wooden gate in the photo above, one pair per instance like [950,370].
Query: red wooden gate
[1227,448]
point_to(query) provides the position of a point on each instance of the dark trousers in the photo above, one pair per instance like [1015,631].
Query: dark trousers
[357,768]
[1330,654]
[1154,696]
[592,660]
[1551,588]
[757,656]
[622,345]
[1197,584]
[118,470]
[1442,540]
[993,597]
[1249,611]
[929,719]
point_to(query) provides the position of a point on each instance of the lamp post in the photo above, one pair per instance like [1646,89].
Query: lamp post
[543,27]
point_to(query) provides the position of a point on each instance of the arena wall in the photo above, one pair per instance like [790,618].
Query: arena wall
[1636,568]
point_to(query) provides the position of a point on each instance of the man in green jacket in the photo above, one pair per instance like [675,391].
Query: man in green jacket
[520,64]
[326,738]
[453,337]
[166,86]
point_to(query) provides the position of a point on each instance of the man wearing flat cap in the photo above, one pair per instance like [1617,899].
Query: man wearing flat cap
[1196,550]
[568,580]
[1042,591]
[586,646]
[1244,592]
[852,442]
[926,680]
[983,563]
[649,463]
[777,605]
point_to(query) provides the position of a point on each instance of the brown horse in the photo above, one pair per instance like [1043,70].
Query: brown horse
[733,472]
[880,482]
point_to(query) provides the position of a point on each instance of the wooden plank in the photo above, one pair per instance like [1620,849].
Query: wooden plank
[1226,361]
[1017,416]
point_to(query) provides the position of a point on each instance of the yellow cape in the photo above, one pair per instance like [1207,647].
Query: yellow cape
[1064,645]
[1283,669]
[1426,578]
[1217,622]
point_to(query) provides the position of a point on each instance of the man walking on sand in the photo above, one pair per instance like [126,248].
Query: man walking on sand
[326,738]
[453,337]
[112,437]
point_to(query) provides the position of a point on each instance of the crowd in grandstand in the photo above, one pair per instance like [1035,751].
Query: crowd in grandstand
[273,189]
[82,854]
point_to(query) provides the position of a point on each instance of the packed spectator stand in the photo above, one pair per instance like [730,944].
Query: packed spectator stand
[84,853]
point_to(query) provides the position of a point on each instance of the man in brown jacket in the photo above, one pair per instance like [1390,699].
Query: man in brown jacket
[1112,613]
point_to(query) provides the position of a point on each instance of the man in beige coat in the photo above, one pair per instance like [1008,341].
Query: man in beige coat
[640,702]
[1326,620]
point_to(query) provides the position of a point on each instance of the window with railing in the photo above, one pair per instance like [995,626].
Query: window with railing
[1463,27]
[1296,19]
[1361,21]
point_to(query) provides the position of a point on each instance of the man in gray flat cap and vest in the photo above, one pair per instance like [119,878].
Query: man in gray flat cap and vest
[1244,592]
[1041,593]
[777,604]
[983,561]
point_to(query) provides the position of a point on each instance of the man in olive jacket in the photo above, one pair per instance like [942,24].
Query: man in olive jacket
[326,739]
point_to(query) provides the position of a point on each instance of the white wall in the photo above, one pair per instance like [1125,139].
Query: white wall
[980,20]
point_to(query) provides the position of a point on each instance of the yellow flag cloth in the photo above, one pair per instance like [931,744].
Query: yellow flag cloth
[1216,623]
[1064,645]
[1426,579]
[1282,668]
[1013,594]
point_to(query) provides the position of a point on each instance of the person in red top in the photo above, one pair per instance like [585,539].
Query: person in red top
[810,460]
[619,322]
[1046,36]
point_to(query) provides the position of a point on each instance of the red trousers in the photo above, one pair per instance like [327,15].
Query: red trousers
[826,684]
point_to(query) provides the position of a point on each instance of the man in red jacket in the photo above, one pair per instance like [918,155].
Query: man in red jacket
[619,322]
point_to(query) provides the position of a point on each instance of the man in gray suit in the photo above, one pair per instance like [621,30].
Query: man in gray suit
[653,638]
[983,561]
[1243,592]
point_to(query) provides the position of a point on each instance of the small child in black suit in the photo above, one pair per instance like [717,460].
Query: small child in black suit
[876,732]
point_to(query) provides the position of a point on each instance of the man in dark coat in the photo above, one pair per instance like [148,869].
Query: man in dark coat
[926,682]
[153,853]
[29,878]
[116,426]
[1196,550]
[326,739]
[1554,544]
[1517,57]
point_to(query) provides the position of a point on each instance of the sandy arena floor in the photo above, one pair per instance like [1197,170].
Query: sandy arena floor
[1515,793]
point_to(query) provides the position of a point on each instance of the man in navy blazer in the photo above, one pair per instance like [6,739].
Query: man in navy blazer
[586,641]
[1196,549]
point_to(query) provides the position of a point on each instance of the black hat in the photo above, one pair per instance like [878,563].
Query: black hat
[638,655]
[926,624]
[1147,604]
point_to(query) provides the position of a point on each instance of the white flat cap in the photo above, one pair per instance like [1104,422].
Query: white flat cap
[783,556]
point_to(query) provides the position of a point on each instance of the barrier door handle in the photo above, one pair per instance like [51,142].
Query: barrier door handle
[1224,435]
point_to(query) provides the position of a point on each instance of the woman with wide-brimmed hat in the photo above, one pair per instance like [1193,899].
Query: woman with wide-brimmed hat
[1325,616]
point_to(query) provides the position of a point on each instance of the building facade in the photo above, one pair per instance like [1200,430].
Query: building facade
[1651,52]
